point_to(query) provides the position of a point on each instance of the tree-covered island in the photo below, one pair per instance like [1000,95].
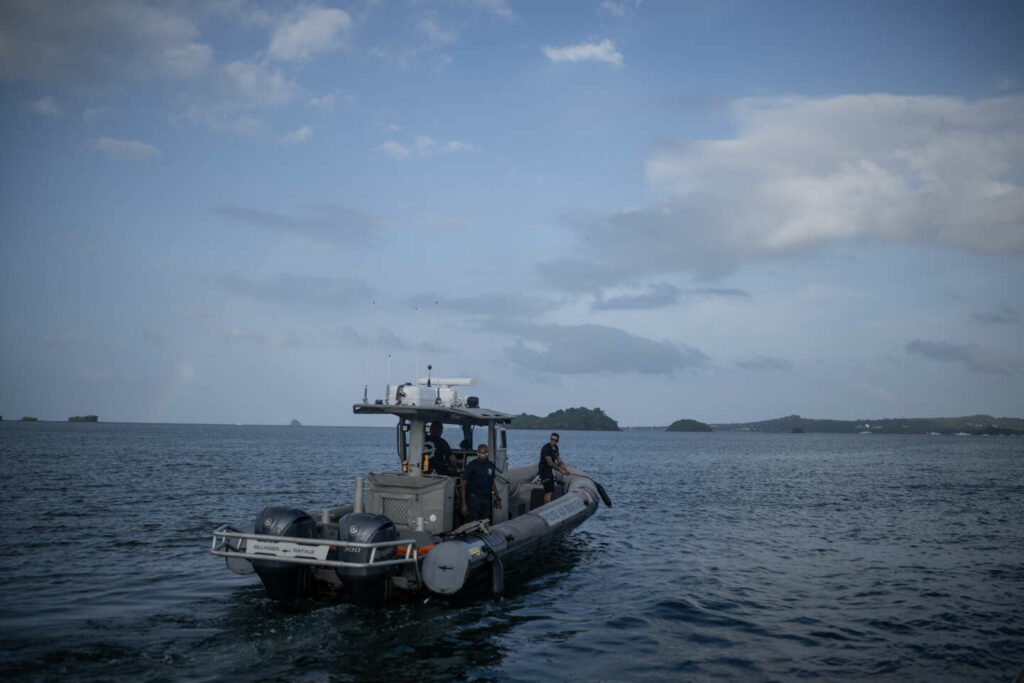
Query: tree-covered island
[570,418]
[688,426]
[971,424]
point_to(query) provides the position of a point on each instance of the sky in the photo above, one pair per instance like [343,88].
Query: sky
[722,211]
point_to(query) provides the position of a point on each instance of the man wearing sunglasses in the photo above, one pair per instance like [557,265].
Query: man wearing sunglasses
[550,461]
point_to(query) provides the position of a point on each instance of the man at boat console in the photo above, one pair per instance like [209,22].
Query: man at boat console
[550,460]
[442,461]
[478,478]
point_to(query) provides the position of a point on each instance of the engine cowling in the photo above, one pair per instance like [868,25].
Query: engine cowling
[284,580]
[367,584]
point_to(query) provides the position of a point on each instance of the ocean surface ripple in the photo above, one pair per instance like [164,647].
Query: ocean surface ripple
[726,556]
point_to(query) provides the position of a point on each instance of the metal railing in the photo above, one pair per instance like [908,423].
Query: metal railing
[221,547]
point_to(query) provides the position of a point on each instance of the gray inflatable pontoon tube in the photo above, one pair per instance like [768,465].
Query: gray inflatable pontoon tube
[450,565]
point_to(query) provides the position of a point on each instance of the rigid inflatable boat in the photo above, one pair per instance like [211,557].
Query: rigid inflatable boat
[403,535]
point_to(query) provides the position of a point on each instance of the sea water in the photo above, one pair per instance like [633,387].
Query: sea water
[734,556]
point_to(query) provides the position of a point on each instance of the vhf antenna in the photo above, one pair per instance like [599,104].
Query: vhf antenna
[369,348]
[437,339]
[387,388]
[416,354]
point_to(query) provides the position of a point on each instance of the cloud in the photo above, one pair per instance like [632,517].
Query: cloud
[329,223]
[499,8]
[52,41]
[248,84]
[596,349]
[45,106]
[759,362]
[303,134]
[585,52]
[393,149]
[126,150]
[326,102]
[619,9]
[235,89]
[309,32]
[1007,315]
[423,147]
[971,356]
[317,292]
[660,295]
[436,33]
[805,172]
[802,173]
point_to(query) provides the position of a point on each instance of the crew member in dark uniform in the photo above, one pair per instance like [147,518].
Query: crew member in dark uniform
[442,461]
[478,478]
[550,461]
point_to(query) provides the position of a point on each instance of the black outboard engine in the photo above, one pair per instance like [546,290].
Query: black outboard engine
[368,585]
[283,580]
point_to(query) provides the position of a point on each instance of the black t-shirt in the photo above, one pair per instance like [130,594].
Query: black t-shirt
[479,474]
[543,469]
[439,459]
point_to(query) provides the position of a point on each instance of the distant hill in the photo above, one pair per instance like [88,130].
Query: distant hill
[570,418]
[973,424]
[688,426]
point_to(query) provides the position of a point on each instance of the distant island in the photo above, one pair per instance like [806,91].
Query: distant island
[570,418]
[295,423]
[972,424]
[83,418]
[688,426]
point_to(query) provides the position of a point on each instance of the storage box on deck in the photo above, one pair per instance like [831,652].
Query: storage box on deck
[405,500]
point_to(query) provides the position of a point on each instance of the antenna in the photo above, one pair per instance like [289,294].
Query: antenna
[437,338]
[369,348]
[416,354]
[387,389]
[429,368]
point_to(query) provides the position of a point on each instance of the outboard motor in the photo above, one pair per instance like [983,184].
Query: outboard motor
[283,580]
[370,584]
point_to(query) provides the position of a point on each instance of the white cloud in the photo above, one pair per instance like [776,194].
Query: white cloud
[45,106]
[585,52]
[249,84]
[326,102]
[437,34]
[802,173]
[618,9]
[235,88]
[423,146]
[394,150]
[308,33]
[126,150]
[303,134]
